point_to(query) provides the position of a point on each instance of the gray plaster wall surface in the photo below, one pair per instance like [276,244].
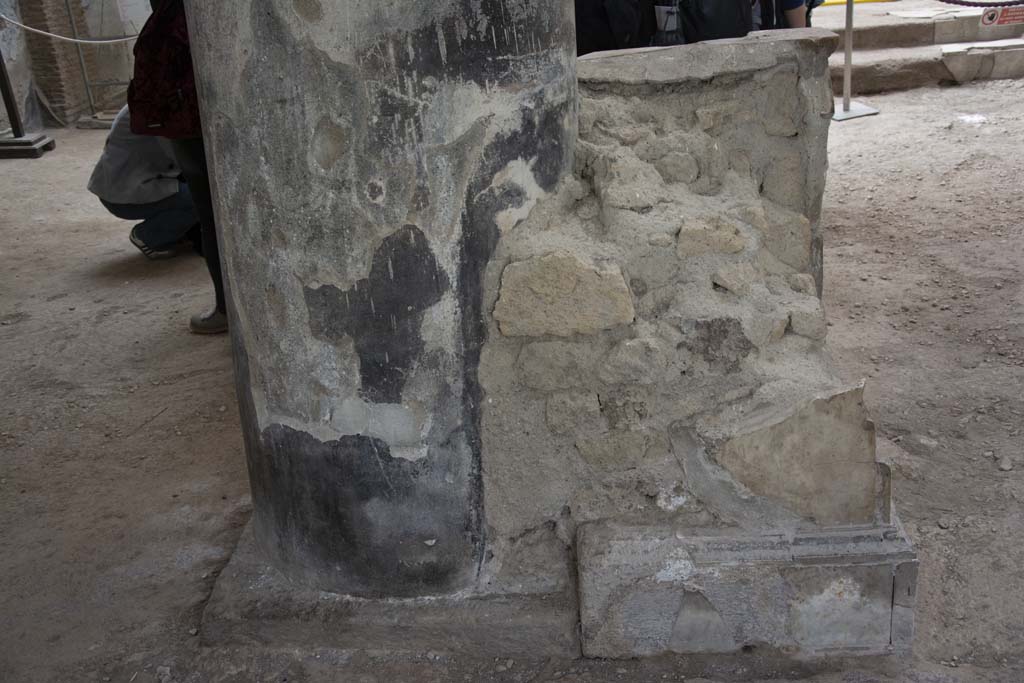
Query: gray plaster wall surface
[131,14]
[19,68]
[366,158]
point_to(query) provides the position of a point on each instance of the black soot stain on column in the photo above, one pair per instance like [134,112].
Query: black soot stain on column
[354,511]
[384,312]
[539,139]
[347,511]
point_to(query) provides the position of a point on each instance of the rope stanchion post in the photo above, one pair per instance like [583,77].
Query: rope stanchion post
[850,109]
[21,146]
[853,110]
[10,100]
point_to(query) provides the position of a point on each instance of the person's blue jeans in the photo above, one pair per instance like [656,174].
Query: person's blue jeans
[164,223]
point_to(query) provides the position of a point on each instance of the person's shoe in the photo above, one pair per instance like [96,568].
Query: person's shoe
[213,322]
[149,252]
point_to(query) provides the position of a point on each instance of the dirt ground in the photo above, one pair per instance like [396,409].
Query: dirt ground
[122,481]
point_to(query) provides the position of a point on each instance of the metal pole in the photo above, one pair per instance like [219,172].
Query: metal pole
[850,109]
[848,68]
[81,57]
[10,100]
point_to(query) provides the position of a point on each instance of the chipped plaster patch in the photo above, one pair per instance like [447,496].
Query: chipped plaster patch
[679,567]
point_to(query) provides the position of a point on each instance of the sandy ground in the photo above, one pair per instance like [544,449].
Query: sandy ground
[122,481]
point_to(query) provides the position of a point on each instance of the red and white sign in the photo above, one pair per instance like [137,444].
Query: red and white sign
[1002,16]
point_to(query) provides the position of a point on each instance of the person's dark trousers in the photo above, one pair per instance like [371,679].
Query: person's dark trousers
[164,223]
[191,158]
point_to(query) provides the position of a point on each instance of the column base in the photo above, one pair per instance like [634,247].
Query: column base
[254,604]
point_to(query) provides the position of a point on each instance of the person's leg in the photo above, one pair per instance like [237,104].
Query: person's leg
[128,212]
[145,213]
[796,13]
[195,237]
[169,221]
[191,159]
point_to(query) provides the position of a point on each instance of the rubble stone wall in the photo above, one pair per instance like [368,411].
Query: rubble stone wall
[672,284]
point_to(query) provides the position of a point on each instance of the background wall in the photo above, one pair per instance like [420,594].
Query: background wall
[55,65]
[47,74]
[113,63]
[135,12]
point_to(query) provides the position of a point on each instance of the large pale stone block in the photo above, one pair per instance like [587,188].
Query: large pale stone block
[635,361]
[622,183]
[780,110]
[659,589]
[678,167]
[554,365]
[817,460]
[568,410]
[803,283]
[617,450]
[559,294]
[737,278]
[807,318]
[711,235]
[787,235]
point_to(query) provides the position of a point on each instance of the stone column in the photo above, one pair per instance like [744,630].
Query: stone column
[366,157]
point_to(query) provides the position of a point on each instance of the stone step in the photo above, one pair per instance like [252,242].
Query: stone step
[912,23]
[901,68]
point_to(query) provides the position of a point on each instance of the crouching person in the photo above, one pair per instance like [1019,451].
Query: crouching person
[137,179]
